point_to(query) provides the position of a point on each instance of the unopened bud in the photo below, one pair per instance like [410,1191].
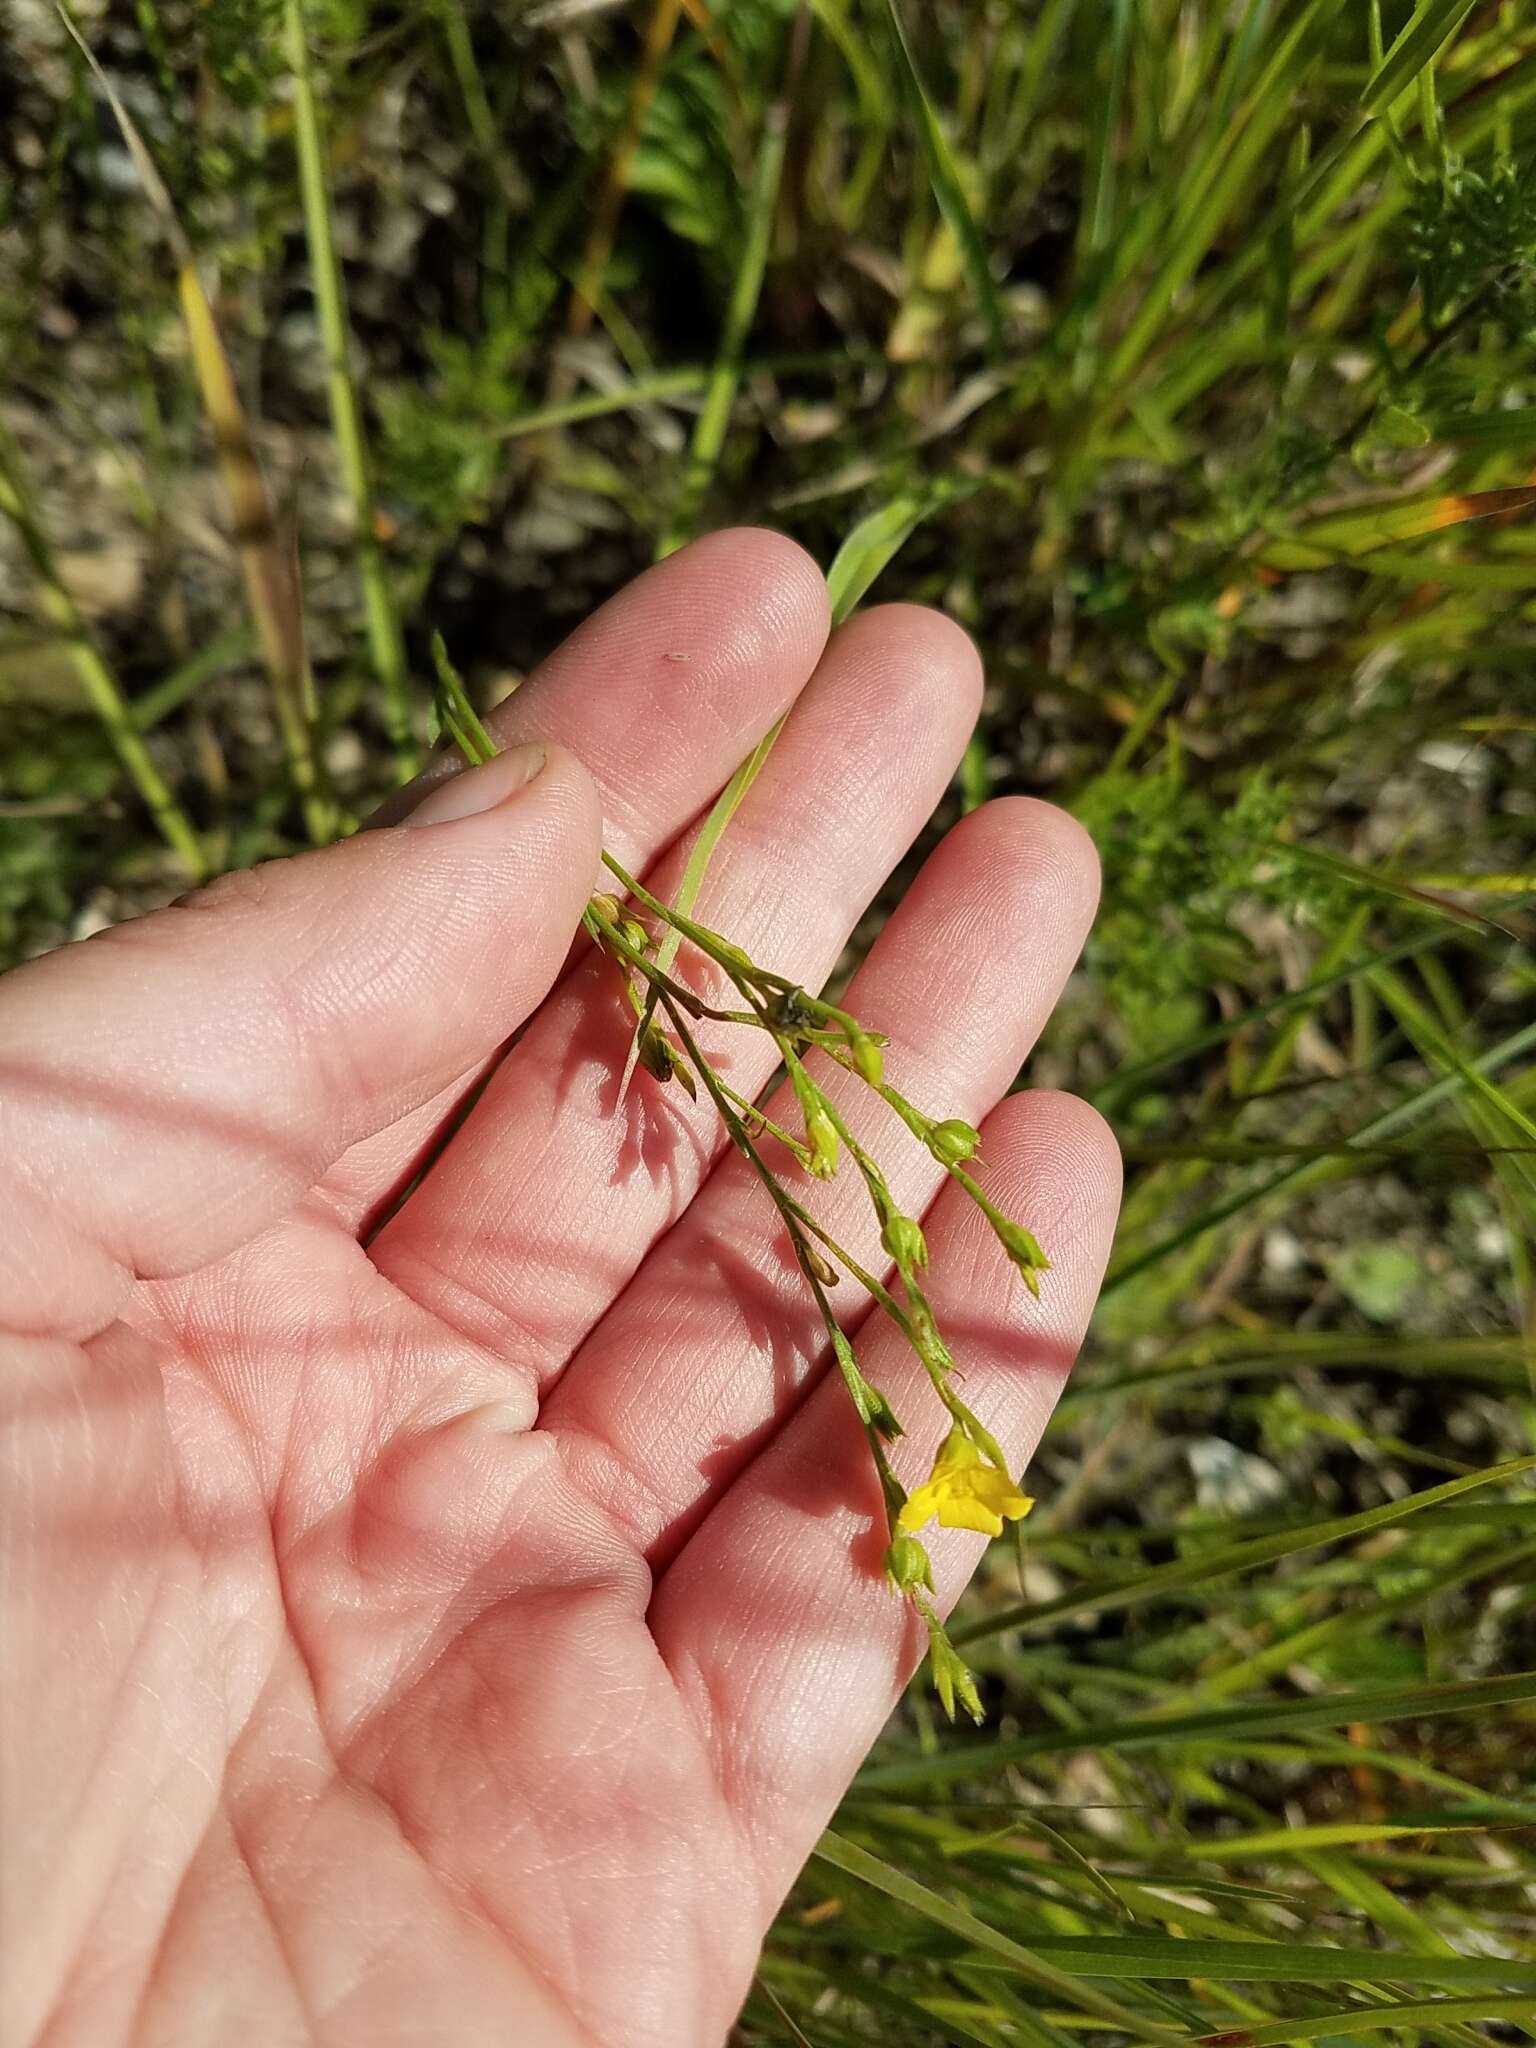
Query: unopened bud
[608,908]
[926,1341]
[867,1058]
[907,1565]
[821,1136]
[903,1239]
[874,1409]
[634,934]
[952,1679]
[882,1417]
[953,1141]
[1024,1251]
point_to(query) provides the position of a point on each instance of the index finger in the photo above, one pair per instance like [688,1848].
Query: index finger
[659,694]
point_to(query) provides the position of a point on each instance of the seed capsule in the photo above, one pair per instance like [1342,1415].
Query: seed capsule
[903,1239]
[953,1141]
[907,1565]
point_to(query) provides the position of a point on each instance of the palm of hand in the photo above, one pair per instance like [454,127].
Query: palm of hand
[390,1672]
[468,1625]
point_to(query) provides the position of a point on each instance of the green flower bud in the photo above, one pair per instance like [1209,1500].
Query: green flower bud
[634,933]
[952,1678]
[903,1239]
[608,908]
[882,1416]
[1024,1251]
[953,1141]
[821,1135]
[907,1565]
[926,1341]
[867,1058]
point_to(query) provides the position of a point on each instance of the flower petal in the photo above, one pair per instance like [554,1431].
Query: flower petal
[964,1510]
[922,1505]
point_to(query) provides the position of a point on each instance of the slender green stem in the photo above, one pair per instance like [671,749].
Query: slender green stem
[680,383]
[100,685]
[461,55]
[608,934]
[155,704]
[751,1114]
[796,1221]
[725,379]
[385,642]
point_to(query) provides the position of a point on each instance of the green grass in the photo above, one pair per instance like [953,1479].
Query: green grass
[1179,348]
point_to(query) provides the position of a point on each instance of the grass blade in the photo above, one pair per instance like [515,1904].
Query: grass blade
[1237,1557]
[1371,2019]
[896,1884]
[1224,1724]
[1150,1955]
[101,687]
[1401,1114]
[385,644]
[944,178]
[877,540]
[725,378]
[270,584]
[702,853]
[1420,42]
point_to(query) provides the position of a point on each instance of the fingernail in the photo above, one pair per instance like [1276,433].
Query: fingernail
[480,789]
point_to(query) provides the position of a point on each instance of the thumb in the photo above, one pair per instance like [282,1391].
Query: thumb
[172,1086]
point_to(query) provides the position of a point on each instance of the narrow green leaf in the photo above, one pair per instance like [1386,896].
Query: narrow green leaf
[1421,40]
[1236,1557]
[1224,1724]
[1098,209]
[452,711]
[746,289]
[1131,1956]
[1333,1834]
[1503,427]
[1501,1364]
[1361,529]
[1403,1113]
[1034,1824]
[1430,1039]
[944,177]
[884,1877]
[1371,2019]
[877,539]
[150,706]
[1122,1086]
[1420,899]
[724,808]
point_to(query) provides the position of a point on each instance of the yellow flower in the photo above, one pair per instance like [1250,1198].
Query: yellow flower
[965,1492]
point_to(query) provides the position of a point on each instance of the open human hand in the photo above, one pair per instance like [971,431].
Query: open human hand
[452,1620]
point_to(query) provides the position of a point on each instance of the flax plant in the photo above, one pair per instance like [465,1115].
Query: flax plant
[970,1485]
[1219,440]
